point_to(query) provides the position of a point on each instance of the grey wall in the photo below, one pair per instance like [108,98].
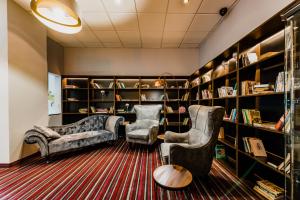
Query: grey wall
[245,17]
[105,61]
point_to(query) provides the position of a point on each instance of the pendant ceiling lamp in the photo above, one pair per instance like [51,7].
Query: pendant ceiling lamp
[59,15]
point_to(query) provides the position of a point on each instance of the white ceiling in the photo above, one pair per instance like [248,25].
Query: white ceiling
[142,23]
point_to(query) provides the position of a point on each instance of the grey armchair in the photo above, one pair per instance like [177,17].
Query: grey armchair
[194,149]
[144,130]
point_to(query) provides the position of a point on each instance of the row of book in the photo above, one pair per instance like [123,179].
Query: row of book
[254,146]
[284,166]
[102,110]
[225,91]
[206,94]
[251,116]
[232,117]
[70,86]
[121,85]
[185,97]
[97,85]
[269,190]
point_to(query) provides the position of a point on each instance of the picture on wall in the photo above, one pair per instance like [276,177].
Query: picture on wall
[54,94]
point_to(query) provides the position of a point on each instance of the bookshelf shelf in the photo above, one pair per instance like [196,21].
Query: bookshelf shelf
[228,143]
[225,75]
[262,128]
[262,94]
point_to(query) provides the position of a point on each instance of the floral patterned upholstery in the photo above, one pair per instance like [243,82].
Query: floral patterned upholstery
[88,131]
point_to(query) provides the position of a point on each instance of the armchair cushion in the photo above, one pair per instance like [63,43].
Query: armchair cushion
[47,132]
[142,134]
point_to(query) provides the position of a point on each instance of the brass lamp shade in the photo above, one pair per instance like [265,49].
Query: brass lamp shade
[59,15]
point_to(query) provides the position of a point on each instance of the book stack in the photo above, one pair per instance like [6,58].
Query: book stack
[247,87]
[185,121]
[72,99]
[286,164]
[206,94]
[120,85]
[195,82]
[263,88]
[226,91]
[169,109]
[99,110]
[83,110]
[121,110]
[249,58]
[185,97]
[251,116]
[254,146]
[232,116]
[284,122]
[269,190]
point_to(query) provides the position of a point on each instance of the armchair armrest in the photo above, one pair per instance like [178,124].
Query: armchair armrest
[33,136]
[172,137]
[112,124]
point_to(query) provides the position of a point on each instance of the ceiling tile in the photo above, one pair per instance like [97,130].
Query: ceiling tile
[84,25]
[112,44]
[125,21]
[92,44]
[90,6]
[119,5]
[170,45]
[98,21]
[151,21]
[187,45]
[153,6]
[194,37]
[107,36]
[132,45]
[209,6]
[129,36]
[149,37]
[173,36]
[72,44]
[177,6]
[178,22]
[151,45]
[86,36]
[204,22]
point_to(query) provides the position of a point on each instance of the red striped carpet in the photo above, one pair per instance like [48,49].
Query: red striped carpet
[110,172]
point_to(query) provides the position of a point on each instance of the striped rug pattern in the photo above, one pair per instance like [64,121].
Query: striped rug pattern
[110,172]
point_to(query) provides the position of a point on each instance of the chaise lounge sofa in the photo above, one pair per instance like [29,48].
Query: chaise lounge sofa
[88,131]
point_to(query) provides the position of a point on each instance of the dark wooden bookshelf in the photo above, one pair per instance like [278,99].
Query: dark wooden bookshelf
[264,41]
[88,96]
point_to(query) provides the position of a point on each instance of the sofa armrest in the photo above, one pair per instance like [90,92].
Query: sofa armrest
[112,124]
[33,136]
[172,137]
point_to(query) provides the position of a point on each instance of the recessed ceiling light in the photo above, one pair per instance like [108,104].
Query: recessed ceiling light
[59,15]
[185,1]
